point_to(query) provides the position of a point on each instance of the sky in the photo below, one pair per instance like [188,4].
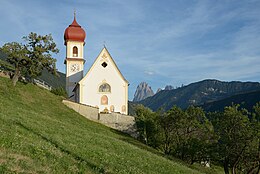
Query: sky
[166,42]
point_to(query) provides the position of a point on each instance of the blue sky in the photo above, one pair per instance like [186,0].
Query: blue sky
[161,42]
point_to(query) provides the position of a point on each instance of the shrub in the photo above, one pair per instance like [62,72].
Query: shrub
[59,91]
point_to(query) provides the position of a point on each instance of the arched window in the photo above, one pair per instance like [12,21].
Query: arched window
[104,88]
[123,108]
[112,108]
[75,51]
[104,100]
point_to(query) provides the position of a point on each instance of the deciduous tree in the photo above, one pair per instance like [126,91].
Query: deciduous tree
[29,58]
[236,138]
[146,125]
[170,125]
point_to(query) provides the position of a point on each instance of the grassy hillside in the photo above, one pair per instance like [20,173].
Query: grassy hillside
[41,135]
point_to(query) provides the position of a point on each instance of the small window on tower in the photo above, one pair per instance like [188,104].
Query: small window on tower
[104,64]
[75,51]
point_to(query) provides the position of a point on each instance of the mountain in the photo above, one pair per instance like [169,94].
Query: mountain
[3,56]
[158,90]
[142,92]
[132,108]
[168,87]
[4,65]
[246,100]
[52,80]
[198,93]
[39,134]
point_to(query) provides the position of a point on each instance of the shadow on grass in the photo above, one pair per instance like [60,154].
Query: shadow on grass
[62,149]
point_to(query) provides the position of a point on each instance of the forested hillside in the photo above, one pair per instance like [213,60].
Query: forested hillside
[55,81]
[246,100]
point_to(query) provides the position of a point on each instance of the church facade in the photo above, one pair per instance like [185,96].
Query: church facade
[103,86]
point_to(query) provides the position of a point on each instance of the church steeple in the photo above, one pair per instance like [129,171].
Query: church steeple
[74,39]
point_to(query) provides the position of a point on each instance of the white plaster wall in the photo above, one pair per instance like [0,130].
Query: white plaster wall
[97,75]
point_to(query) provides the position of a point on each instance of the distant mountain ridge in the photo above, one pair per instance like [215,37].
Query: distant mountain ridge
[198,93]
[168,87]
[142,92]
[246,101]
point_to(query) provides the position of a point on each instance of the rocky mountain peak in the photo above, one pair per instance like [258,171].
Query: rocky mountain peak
[142,92]
[168,87]
[158,90]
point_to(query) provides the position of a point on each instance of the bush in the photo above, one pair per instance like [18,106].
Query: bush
[59,91]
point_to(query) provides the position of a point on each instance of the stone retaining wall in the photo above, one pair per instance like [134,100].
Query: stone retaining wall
[84,110]
[124,123]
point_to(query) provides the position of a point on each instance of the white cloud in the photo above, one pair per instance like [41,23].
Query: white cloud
[149,72]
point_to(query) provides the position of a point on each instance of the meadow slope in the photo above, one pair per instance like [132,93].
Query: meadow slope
[38,134]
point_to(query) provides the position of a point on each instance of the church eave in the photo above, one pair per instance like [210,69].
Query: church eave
[74,59]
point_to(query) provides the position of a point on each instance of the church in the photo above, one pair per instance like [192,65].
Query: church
[103,86]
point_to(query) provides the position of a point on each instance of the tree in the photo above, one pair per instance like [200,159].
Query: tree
[251,159]
[187,134]
[30,58]
[17,56]
[146,125]
[197,136]
[237,138]
[170,123]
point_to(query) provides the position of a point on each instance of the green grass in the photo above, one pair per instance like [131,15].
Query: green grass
[38,134]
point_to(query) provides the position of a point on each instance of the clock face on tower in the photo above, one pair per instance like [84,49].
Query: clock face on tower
[74,67]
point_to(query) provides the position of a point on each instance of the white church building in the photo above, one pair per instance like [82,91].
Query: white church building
[103,86]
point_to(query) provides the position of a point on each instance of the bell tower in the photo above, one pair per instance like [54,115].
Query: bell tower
[74,40]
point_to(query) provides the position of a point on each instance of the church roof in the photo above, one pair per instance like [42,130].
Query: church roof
[112,62]
[74,32]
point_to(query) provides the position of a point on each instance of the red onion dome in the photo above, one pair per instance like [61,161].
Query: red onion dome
[74,32]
